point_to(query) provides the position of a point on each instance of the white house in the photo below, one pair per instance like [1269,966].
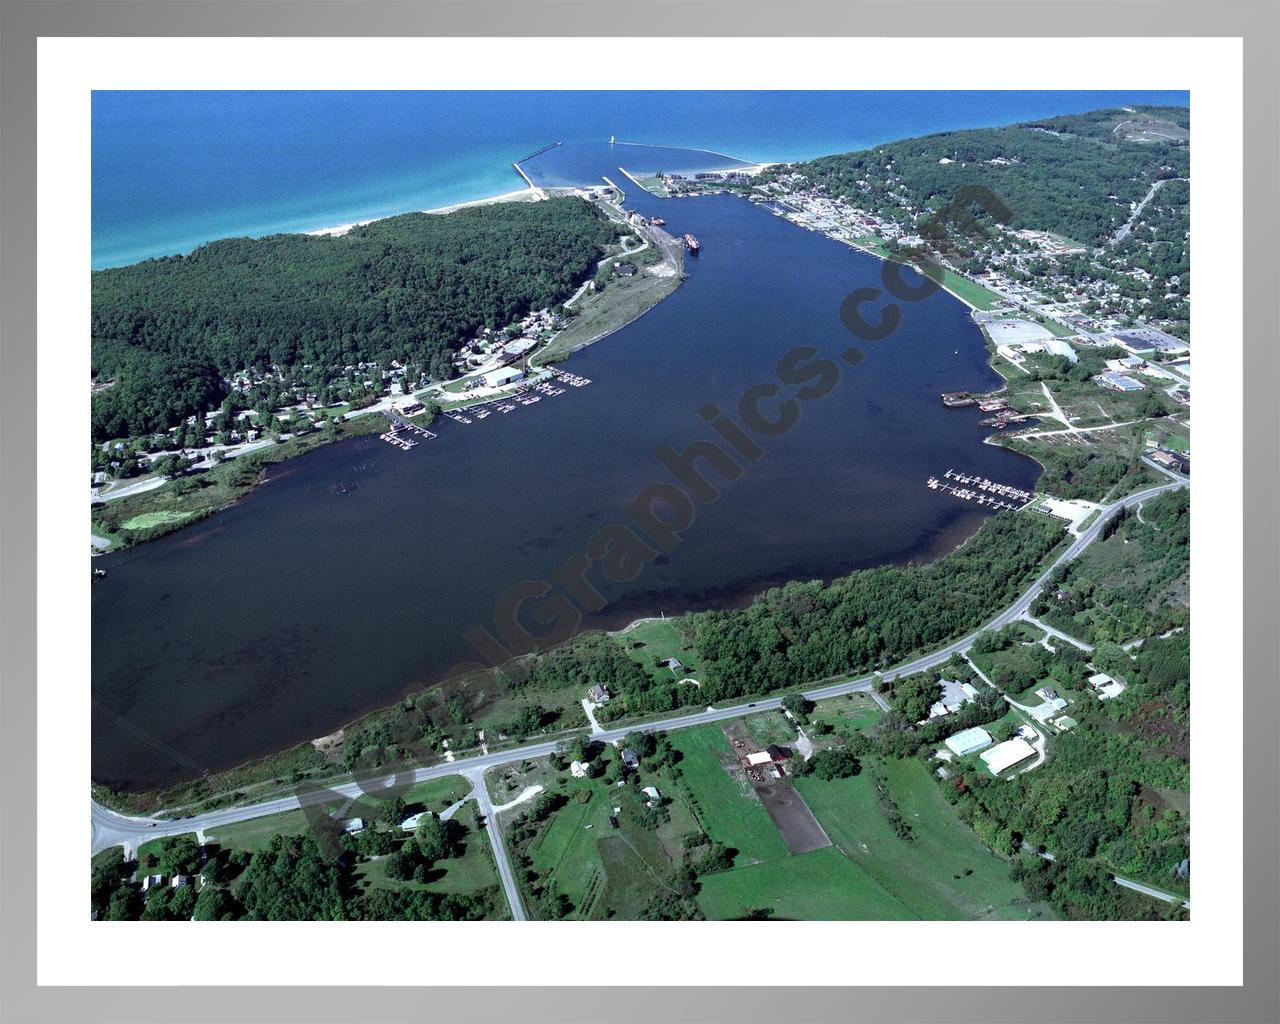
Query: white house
[1105,688]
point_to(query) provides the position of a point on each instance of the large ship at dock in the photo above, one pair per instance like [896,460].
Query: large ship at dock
[693,244]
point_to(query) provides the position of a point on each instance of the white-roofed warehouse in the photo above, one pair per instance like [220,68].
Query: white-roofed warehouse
[1007,754]
[967,742]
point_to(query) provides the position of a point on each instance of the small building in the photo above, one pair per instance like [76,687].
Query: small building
[968,741]
[353,826]
[1005,755]
[760,757]
[152,882]
[624,269]
[410,823]
[179,881]
[955,695]
[630,759]
[599,694]
[1105,688]
[671,663]
[502,377]
[578,769]
[654,796]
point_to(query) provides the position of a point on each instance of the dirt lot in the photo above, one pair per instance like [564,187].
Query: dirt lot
[800,829]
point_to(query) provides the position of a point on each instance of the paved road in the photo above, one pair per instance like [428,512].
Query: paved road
[112,829]
[1127,883]
[1148,890]
[494,831]
[1127,226]
[1058,634]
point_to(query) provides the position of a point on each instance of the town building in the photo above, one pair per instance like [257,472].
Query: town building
[502,377]
[969,741]
[1119,381]
[1105,688]
[1005,755]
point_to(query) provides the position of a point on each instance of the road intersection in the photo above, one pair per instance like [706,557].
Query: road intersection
[110,828]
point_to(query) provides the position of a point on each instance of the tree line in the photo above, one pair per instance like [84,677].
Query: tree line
[409,288]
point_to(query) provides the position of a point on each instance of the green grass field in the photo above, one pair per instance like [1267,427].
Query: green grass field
[969,291]
[658,640]
[255,834]
[437,794]
[822,885]
[149,519]
[856,711]
[729,811]
[606,871]
[471,870]
[944,872]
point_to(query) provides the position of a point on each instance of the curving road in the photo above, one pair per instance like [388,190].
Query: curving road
[112,829]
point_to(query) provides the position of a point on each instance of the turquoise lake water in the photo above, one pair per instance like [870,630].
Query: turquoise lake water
[172,170]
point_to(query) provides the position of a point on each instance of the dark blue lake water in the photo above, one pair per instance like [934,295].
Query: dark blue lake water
[351,576]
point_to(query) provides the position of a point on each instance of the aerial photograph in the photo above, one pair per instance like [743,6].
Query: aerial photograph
[640,506]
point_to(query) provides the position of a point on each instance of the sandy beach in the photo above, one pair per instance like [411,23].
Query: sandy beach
[529,194]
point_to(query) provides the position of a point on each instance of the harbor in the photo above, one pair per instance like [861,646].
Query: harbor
[981,491]
[529,393]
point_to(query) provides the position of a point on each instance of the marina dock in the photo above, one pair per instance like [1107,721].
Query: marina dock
[981,491]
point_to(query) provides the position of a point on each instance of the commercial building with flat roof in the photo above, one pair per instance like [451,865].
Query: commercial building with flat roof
[501,378]
[1119,381]
[1005,755]
[968,741]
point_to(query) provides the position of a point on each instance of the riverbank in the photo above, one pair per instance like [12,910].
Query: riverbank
[448,735]
[497,711]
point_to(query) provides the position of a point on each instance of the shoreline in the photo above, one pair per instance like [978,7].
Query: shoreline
[273,758]
[528,194]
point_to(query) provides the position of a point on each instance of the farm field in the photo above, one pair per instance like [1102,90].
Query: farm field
[944,872]
[823,885]
[604,871]
[729,811]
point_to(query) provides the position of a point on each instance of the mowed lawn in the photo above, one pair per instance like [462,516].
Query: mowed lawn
[822,885]
[969,291]
[730,812]
[660,640]
[437,794]
[466,873]
[568,848]
[944,872]
[256,833]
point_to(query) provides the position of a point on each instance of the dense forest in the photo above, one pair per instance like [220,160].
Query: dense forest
[410,288]
[291,879]
[1110,798]
[874,617]
[1071,175]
